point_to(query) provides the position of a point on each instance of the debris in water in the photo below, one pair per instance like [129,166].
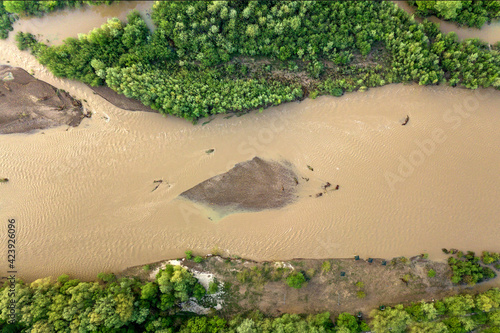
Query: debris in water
[319,194]
[159,182]
[327,185]
[406,120]
[310,168]
[4,180]
[209,151]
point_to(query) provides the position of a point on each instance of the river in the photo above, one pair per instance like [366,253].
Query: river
[83,202]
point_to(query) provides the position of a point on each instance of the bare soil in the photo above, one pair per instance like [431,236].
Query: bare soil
[28,104]
[120,101]
[251,285]
[251,185]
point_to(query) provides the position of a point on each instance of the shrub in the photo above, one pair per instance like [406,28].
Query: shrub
[431,273]
[189,255]
[361,294]
[146,268]
[326,266]
[296,280]
[466,269]
[213,287]
[198,259]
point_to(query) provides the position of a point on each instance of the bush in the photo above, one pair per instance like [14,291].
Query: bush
[213,287]
[296,280]
[189,255]
[198,259]
[466,269]
[326,266]
[431,273]
[360,294]
[146,268]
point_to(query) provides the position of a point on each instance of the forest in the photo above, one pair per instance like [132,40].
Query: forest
[468,13]
[207,58]
[131,305]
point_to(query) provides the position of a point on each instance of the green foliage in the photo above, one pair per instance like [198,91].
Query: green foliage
[128,305]
[349,322]
[198,259]
[467,269]
[489,258]
[360,294]
[326,266]
[470,13]
[213,287]
[6,20]
[431,273]
[189,255]
[146,268]
[296,280]
[391,319]
[193,65]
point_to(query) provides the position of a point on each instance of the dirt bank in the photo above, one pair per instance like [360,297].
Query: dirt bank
[252,185]
[335,285]
[120,101]
[27,104]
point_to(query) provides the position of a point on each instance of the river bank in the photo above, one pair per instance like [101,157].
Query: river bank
[334,285]
[28,104]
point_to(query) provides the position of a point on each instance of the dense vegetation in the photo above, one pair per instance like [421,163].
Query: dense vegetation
[130,305]
[9,9]
[469,13]
[6,20]
[208,58]
[468,269]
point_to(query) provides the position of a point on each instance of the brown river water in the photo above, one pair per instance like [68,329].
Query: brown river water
[83,202]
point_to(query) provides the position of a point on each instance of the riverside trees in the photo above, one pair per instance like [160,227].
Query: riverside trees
[130,305]
[469,13]
[207,58]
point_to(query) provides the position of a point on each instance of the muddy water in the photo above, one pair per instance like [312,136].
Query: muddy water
[83,202]
[57,26]
[83,199]
[489,33]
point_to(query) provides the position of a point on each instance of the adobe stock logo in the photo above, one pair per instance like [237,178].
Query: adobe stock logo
[453,116]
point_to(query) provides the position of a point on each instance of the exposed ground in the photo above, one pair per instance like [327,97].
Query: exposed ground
[251,185]
[253,285]
[28,104]
[120,101]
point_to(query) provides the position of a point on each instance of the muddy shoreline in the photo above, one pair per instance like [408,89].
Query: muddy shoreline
[120,101]
[334,287]
[28,104]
